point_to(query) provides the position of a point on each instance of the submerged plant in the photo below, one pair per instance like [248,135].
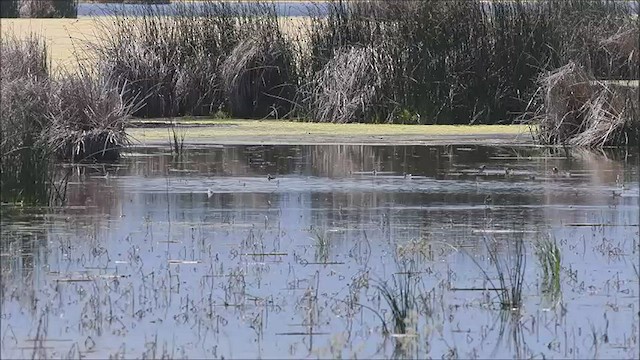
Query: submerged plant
[549,259]
[176,140]
[322,245]
[513,327]
[402,298]
[510,272]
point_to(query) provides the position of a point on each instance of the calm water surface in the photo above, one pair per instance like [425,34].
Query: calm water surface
[286,8]
[282,8]
[281,251]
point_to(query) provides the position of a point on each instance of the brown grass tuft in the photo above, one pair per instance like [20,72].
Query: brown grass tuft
[580,111]
[28,58]
[197,85]
[612,118]
[566,90]
[259,78]
[352,87]
[89,115]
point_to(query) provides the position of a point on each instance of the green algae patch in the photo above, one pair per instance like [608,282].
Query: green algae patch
[232,131]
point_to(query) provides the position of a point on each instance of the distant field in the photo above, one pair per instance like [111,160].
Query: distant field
[67,38]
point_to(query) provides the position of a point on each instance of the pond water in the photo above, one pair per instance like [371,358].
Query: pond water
[284,251]
[286,8]
[282,8]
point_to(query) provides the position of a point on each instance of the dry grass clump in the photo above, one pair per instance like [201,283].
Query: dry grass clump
[612,118]
[76,116]
[580,111]
[27,58]
[143,72]
[197,85]
[565,91]
[353,87]
[199,59]
[441,75]
[576,109]
[259,78]
[88,117]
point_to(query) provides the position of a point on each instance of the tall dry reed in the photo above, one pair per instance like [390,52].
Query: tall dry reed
[173,61]
[24,96]
[482,70]
[72,116]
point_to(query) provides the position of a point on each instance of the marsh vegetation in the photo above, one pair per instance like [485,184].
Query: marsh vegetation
[73,116]
[374,62]
[335,250]
[369,61]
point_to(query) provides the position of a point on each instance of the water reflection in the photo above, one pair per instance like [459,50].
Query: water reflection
[245,251]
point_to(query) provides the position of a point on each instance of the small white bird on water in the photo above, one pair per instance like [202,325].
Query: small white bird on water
[209,192]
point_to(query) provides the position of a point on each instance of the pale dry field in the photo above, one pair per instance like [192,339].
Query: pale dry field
[70,40]
[67,39]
